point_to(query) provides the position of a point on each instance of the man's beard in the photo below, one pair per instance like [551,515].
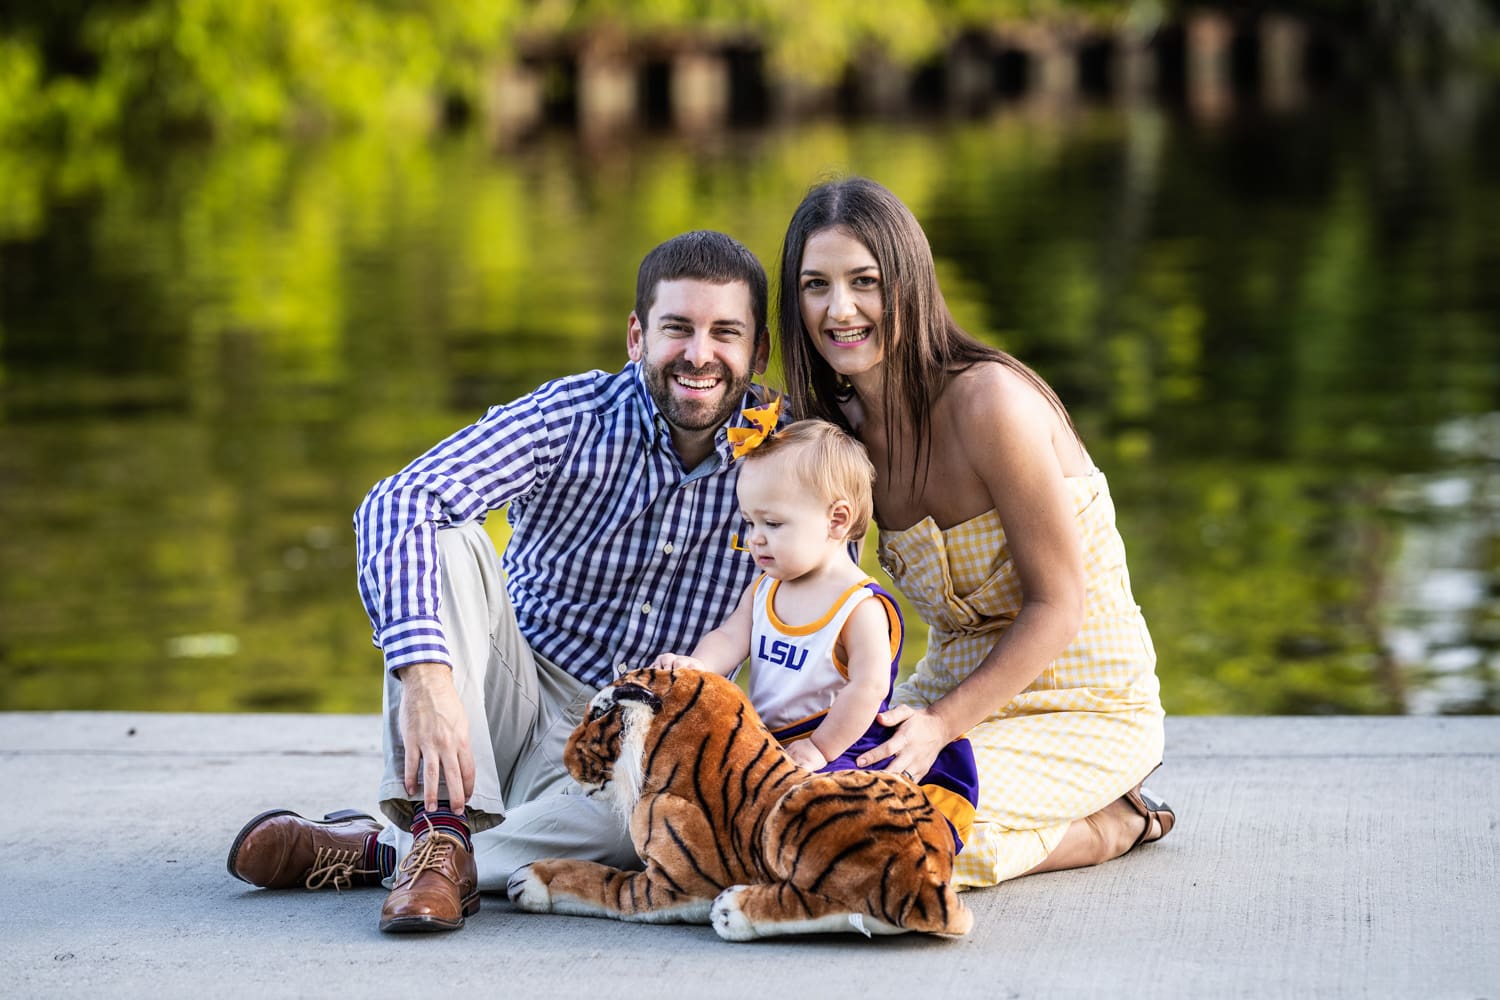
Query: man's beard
[687,414]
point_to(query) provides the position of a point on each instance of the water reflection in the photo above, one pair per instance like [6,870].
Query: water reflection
[1277,335]
[1443,612]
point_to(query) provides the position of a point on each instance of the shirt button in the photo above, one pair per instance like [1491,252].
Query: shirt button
[667,548]
[646,608]
[619,668]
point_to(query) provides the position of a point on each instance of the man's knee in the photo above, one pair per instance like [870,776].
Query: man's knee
[466,542]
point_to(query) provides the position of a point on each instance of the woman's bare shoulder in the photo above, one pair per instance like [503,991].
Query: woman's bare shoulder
[990,393]
[1004,417]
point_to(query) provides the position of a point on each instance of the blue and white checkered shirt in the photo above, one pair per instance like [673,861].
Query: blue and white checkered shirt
[617,553]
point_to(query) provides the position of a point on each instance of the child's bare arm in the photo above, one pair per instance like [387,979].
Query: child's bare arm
[867,646]
[721,650]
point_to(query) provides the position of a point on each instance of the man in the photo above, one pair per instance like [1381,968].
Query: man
[621,496]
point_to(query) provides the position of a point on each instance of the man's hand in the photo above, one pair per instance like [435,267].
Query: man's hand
[435,733]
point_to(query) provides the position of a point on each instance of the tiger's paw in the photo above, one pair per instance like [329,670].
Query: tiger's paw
[729,921]
[528,892]
[732,909]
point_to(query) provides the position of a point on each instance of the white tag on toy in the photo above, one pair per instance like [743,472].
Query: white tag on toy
[857,921]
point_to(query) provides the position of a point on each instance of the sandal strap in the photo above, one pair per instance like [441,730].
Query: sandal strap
[1148,807]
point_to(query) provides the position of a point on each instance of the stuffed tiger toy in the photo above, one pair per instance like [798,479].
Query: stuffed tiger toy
[734,834]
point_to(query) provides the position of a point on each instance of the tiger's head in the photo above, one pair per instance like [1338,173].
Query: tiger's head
[604,753]
[616,743]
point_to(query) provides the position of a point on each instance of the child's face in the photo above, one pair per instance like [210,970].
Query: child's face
[790,528]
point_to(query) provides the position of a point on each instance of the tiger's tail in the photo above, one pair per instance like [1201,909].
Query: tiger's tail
[939,910]
[936,907]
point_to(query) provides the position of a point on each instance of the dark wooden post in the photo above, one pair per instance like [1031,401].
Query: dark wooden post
[881,84]
[1209,36]
[970,74]
[1051,62]
[1133,67]
[700,88]
[607,96]
[1283,48]
[512,100]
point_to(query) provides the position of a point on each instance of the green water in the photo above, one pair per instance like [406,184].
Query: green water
[1279,336]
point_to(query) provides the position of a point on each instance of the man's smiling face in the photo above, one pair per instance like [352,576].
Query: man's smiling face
[698,351]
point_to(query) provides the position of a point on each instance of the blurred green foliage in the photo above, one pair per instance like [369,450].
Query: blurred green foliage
[162,66]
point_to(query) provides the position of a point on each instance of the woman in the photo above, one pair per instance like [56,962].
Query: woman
[999,530]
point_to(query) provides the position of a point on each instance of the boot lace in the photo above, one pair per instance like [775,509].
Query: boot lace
[336,867]
[429,853]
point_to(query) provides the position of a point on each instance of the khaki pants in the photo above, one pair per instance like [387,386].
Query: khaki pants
[521,710]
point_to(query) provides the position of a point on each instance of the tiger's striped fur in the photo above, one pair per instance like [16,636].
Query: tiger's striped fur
[733,833]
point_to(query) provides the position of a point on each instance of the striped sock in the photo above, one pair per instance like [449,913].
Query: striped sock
[379,858]
[441,818]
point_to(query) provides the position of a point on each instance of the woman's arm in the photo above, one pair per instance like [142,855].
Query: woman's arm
[1007,430]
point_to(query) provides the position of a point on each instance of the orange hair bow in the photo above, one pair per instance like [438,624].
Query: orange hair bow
[763,420]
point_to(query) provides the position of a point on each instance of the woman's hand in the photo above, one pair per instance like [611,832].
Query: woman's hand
[919,737]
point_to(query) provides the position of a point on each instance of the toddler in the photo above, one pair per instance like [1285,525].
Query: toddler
[822,638]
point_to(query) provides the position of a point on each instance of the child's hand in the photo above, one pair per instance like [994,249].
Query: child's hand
[676,661]
[805,754]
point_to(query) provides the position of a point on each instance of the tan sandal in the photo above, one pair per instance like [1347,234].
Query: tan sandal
[1149,807]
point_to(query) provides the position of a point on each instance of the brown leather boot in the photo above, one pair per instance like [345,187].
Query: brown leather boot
[436,886]
[279,849]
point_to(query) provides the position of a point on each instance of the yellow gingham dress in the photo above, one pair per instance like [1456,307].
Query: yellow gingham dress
[1085,731]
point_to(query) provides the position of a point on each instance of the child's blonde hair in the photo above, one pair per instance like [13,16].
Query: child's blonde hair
[827,460]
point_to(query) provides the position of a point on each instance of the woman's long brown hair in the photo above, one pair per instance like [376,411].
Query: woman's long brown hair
[924,346]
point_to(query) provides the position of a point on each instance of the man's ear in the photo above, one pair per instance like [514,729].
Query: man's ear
[840,518]
[635,338]
[762,359]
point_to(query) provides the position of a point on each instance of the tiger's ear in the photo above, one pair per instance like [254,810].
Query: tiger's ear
[636,693]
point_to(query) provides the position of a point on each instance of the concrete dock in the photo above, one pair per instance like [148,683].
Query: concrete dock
[1312,858]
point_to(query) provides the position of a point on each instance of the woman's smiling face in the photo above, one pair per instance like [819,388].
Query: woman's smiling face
[843,301]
